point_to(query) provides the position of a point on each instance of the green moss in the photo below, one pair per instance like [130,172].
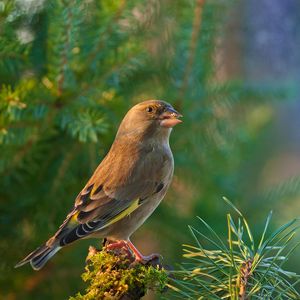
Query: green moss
[111,276]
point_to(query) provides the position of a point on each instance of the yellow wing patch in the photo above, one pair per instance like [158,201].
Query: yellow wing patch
[74,217]
[135,204]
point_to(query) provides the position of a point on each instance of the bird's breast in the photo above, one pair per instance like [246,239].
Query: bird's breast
[157,161]
[151,178]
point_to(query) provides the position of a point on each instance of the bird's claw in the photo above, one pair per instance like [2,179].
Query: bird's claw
[149,258]
[152,259]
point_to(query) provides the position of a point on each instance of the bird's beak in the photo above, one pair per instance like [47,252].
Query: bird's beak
[170,117]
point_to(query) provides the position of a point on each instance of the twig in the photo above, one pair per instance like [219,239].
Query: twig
[193,45]
[101,42]
[64,58]
[245,273]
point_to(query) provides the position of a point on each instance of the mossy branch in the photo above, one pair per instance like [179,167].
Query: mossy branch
[115,275]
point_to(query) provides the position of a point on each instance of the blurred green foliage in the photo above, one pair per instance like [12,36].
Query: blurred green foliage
[69,70]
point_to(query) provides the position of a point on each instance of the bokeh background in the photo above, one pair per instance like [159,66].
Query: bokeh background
[69,70]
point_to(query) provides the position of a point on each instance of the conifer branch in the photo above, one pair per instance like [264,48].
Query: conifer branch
[101,41]
[239,270]
[192,48]
[66,49]
[63,168]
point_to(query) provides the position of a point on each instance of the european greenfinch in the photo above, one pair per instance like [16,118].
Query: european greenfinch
[125,188]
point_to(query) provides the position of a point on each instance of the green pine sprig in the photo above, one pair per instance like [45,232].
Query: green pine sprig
[238,268]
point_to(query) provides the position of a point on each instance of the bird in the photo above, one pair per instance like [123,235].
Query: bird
[125,188]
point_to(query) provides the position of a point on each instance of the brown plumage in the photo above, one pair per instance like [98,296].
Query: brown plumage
[126,187]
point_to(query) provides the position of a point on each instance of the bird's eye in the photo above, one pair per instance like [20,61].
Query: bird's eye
[149,109]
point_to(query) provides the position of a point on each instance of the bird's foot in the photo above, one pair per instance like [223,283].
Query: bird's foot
[152,259]
[118,247]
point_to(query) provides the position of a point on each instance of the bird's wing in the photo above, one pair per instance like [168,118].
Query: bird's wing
[99,202]
[116,186]
[95,209]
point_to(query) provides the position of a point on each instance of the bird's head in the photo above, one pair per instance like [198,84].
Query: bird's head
[152,117]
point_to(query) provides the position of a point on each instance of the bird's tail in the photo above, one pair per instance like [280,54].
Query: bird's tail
[40,256]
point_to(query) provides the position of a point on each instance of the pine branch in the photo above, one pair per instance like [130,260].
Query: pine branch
[66,47]
[240,270]
[101,41]
[192,51]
